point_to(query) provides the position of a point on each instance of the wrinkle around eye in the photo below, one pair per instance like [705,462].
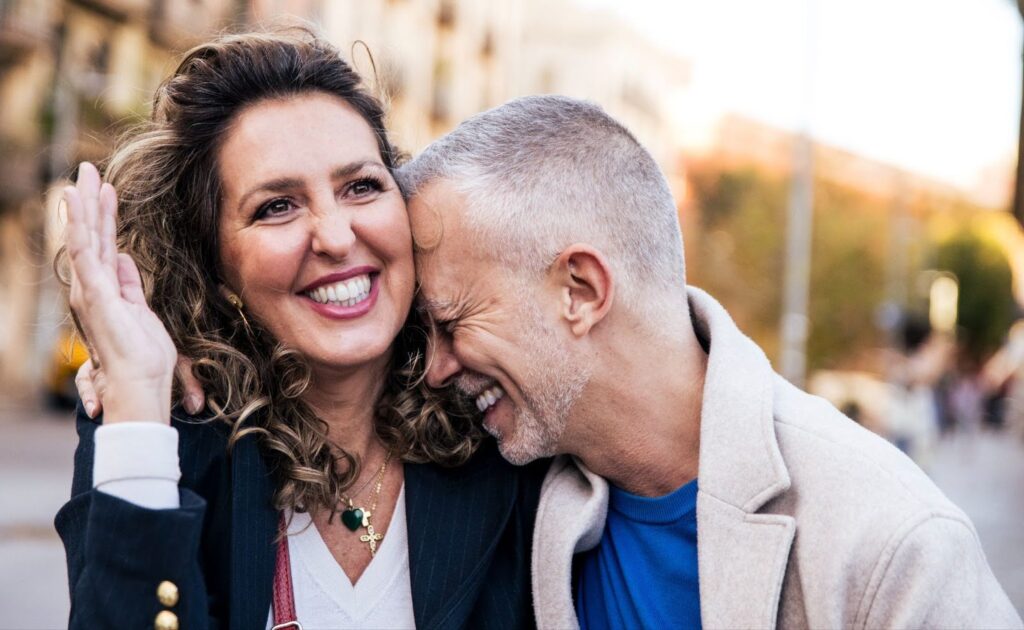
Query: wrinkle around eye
[263,212]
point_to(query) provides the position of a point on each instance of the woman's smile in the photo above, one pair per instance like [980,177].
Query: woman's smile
[344,295]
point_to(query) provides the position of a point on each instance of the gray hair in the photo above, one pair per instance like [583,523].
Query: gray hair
[540,173]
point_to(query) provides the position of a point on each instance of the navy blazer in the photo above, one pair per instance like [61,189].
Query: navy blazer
[470,532]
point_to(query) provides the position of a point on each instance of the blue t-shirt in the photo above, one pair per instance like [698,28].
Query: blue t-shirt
[643,574]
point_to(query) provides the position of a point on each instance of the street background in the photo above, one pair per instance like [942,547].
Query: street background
[846,176]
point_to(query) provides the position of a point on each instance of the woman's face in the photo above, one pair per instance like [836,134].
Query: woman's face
[314,235]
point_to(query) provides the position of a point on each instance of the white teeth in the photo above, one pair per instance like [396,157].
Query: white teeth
[489,397]
[345,293]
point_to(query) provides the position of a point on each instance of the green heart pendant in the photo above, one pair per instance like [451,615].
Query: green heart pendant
[352,518]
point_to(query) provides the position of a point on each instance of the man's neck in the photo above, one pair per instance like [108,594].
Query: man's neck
[639,426]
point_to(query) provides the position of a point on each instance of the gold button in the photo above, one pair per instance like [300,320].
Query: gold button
[166,620]
[167,593]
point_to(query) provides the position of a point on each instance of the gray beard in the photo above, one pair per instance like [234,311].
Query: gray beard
[554,382]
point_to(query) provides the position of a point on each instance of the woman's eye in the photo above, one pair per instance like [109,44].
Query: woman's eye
[365,186]
[274,207]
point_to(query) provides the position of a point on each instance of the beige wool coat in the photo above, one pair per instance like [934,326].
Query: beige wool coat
[804,518]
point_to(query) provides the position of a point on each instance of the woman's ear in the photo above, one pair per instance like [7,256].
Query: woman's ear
[584,281]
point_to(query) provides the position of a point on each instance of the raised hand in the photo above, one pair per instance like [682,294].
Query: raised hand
[127,339]
[91,383]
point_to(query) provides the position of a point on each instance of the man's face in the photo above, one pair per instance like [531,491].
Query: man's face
[497,336]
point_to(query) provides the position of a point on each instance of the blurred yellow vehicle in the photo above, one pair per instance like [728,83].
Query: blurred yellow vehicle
[69,353]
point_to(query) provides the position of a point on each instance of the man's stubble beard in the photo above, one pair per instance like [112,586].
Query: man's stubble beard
[555,382]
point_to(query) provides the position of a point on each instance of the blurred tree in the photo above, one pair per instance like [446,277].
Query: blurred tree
[737,255]
[737,252]
[848,272]
[985,306]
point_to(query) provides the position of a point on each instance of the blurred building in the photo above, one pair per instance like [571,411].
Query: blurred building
[743,141]
[73,74]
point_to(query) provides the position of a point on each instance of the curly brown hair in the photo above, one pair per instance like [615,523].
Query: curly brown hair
[169,190]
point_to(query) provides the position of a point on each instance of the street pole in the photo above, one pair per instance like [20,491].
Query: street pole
[795,324]
[1018,189]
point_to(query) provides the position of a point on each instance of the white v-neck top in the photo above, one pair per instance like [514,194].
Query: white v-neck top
[326,598]
[138,462]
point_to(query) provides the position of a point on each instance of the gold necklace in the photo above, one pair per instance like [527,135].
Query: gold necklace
[355,517]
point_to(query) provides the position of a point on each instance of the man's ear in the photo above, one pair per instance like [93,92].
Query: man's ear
[586,288]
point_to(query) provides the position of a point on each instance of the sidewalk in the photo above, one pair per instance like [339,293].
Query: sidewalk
[36,450]
[983,473]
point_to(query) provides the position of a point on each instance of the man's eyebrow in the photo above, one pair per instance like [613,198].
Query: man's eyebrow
[284,184]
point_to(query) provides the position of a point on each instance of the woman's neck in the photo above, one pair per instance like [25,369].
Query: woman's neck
[347,403]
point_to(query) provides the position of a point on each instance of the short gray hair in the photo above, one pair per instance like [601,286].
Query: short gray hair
[540,173]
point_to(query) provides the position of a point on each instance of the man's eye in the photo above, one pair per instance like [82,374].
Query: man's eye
[446,325]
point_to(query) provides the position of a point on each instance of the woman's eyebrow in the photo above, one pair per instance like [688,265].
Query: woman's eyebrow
[354,167]
[284,184]
[281,184]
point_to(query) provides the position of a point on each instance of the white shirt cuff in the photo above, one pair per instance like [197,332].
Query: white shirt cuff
[138,462]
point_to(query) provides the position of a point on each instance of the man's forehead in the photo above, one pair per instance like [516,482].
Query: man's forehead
[435,205]
[439,237]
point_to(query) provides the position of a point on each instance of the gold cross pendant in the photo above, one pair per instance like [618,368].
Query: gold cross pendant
[371,537]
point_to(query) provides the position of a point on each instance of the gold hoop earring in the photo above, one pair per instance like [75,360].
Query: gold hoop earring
[236,301]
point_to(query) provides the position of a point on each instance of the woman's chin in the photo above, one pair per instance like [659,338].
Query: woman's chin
[352,356]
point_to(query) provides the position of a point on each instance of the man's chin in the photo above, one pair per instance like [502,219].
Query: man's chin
[520,450]
[515,454]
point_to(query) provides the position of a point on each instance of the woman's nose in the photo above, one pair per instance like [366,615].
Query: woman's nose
[333,233]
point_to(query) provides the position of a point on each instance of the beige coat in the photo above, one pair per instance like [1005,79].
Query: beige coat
[804,518]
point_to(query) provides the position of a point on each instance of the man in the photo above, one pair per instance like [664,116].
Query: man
[700,487]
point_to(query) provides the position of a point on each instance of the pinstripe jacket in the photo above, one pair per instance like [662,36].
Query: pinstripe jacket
[469,537]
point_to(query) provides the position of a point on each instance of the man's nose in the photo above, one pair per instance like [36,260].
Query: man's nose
[332,230]
[443,364]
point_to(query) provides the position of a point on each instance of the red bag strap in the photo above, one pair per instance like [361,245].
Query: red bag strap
[284,595]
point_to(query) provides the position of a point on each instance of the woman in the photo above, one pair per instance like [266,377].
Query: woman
[259,215]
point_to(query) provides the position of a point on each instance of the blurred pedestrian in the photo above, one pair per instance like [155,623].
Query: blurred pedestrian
[1003,378]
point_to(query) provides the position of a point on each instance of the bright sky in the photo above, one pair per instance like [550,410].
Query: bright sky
[929,85]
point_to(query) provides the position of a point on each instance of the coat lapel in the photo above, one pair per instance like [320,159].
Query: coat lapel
[741,554]
[253,530]
[455,518]
[570,519]
[741,560]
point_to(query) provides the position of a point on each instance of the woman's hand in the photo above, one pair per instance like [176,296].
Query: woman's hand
[91,383]
[131,344]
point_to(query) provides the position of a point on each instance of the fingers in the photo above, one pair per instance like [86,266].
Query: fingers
[83,242]
[193,397]
[86,381]
[88,185]
[108,226]
[79,241]
[129,279]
